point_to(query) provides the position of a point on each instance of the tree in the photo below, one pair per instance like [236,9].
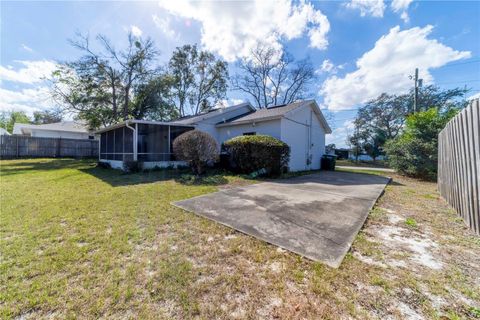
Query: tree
[154,100]
[199,79]
[356,140]
[272,77]
[47,116]
[9,118]
[198,148]
[99,85]
[414,151]
[330,148]
[383,118]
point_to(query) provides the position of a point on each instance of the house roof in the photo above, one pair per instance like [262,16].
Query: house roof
[253,115]
[4,132]
[268,113]
[276,112]
[70,126]
[211,114]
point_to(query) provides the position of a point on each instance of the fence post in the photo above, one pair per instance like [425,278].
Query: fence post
[16,139]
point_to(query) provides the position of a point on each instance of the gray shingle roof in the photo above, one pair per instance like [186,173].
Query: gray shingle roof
[194,119]
[271,112]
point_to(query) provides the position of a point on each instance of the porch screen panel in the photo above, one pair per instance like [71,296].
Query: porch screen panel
[153,142]
[128,141]
[175,131]
[110,144]
[103,145]
[118,144]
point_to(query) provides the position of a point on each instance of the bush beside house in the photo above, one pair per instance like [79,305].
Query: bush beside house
[253,153]
[196,147]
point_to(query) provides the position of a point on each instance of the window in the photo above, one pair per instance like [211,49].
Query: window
[249,133]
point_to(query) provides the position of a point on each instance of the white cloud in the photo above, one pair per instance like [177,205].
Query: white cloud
[327,67]
[387,66]
[164,25]
[136,31]
[401,6]
[28,100]
[33,71]
[374,8]
[26,48]
[228,102]
[232,29]
[339,135]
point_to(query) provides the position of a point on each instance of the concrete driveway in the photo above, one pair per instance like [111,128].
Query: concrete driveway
[316,216]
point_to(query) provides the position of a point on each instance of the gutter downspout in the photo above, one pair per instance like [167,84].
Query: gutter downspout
[134,139]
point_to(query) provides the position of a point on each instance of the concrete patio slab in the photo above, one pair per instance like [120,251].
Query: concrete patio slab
[316,216]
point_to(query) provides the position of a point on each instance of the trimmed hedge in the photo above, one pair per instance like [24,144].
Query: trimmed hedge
[252,153]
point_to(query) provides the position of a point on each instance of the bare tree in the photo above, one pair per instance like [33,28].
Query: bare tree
[272,77]
[98,86]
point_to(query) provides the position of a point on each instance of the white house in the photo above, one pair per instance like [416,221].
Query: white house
[64,129]
[4,132]
[300,124]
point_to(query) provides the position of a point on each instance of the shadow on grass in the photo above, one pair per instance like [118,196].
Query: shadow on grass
[21,166]
[117,178]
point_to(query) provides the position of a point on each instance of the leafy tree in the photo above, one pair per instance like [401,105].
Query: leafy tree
[330,148]
[99,85]
[47,116]
[9,118]
[414,151]
[272,77]
[154,100]
[383,118]
[198,148]
[199,79]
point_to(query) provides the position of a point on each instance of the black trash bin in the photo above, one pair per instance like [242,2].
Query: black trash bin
[328,162]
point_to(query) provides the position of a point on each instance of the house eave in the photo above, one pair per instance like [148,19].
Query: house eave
[124,123]
[228,124]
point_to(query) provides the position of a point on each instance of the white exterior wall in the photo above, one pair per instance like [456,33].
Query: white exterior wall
[296,135]
[208,125]
[59,134]
[271,128]
[118,164]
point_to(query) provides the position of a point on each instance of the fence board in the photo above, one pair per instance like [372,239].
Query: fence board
[459,164]
[24,146]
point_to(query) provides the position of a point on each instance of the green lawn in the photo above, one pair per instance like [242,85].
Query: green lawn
[84,242]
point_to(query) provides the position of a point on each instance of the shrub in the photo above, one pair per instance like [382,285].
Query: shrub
[415,151]
[104,165]
[198,148]
[132,166]
[252,153]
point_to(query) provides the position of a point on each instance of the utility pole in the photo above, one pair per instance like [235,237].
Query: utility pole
[418,84]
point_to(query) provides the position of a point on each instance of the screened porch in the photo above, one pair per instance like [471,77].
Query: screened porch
[136,140]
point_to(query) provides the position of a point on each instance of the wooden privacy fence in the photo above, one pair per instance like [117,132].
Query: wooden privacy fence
[23,146]
[459,164]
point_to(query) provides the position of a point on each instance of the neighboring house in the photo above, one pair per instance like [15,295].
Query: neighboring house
[300,124]
[64,129]
[4,132]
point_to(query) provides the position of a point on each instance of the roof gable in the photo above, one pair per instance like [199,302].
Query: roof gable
[278,112]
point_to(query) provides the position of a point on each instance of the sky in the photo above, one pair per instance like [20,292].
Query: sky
[358,48]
